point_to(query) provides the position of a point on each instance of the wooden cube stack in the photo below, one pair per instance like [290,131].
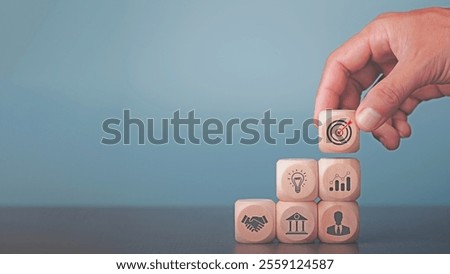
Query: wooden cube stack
[317,199]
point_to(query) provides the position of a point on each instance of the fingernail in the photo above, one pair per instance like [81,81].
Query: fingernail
[368,119]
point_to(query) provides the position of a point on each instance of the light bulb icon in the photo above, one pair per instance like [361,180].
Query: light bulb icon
[297,179]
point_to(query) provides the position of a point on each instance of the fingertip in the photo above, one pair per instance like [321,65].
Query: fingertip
[404,130]
[400,123]
[316,119]
[368,119]
[390,143]
[387,136]
[392,146]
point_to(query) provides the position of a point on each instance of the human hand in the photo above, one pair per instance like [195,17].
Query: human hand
[411,49]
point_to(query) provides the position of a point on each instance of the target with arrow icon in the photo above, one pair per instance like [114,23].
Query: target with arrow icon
[339,132]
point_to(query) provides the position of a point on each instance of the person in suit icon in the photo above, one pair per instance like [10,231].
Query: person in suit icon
[338,229]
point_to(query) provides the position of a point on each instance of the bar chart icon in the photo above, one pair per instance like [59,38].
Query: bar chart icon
[341,183]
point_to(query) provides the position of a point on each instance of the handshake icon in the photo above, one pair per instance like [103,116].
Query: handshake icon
[255,223]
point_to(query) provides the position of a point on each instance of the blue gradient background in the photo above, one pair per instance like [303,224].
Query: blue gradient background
[65,66]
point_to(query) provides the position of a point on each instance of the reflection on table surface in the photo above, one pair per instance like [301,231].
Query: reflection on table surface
[312,248]
[205,230]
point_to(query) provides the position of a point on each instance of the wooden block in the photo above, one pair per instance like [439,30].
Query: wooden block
[339,179]
[338,222]
[338,131]
[297,180]
[296,222]
[254,220]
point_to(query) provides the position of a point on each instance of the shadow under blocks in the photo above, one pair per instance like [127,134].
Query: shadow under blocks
[316,199]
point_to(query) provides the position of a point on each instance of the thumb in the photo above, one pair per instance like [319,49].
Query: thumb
[385,98]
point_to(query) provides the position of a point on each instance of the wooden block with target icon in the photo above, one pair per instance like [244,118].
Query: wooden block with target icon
[338,131]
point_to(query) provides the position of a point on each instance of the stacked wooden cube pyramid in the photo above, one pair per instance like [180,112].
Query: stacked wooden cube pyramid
[316,199]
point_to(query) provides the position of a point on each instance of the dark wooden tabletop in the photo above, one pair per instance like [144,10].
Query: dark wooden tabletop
[205,230]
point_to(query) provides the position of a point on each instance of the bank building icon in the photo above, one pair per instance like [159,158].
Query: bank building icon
[296,224]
